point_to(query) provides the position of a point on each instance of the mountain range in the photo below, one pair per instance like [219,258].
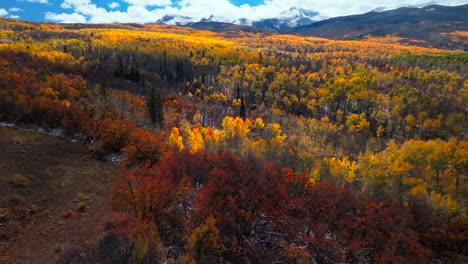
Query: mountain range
[293,17]
[431,26]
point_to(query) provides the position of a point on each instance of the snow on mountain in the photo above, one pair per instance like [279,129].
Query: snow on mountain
[298,17]
[380,9]
[175,20]
[293,17]
[290,18]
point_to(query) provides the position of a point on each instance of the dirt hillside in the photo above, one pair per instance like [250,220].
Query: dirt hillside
[53,196]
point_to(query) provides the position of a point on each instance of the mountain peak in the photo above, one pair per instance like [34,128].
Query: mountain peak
[300,12]
[292,17]
[175,20]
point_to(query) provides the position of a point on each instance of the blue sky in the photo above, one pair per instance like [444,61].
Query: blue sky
[145,11]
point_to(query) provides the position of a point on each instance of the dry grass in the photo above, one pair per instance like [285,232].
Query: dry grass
[58,248]
[3,214]
[14,200]
[82,206]
[18,181]
[68,213]
[82,197]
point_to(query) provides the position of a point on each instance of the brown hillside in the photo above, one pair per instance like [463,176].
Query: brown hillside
[41,177]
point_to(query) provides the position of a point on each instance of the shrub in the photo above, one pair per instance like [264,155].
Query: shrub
[19,181]
[14,200]
[68,213]
[82,197]
[82,206]
[58,248]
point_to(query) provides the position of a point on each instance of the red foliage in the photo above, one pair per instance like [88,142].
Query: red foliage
[176,109]
[158,194]
[249,203]
[338,226]
[260,208]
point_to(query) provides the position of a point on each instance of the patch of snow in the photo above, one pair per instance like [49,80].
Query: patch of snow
[243,22]
[295,17]
[115,157]
[60,133]
[198,187]
[175,20]
[6,124]
[57,132]
[430,9]
[380,9]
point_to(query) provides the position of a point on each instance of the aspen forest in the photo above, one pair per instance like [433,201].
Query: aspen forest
[250,147]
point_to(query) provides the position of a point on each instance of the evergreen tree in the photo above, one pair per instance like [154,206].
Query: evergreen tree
[243,112]
[103,87]
[155,106]
[119,71]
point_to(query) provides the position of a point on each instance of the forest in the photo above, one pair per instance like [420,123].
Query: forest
[254,147]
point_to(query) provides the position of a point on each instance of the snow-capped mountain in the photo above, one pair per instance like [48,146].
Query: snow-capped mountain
[175,20]
[287,19]
[380,9]
[293,17]
[299,17]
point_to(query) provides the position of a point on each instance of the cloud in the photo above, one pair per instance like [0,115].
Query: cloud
[113,5]
[84,11]
[273,8]
[220,8]
[14,16]
[36,1]
[15,9]
[74,3]
[149,2]
[137,14]
[223,10]
[66,18]
[3,12]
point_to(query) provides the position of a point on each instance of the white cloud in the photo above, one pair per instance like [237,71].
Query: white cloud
[14,16]
[15,9]
[3,12]
[36,1]
[149,2]
[91,13]
[74,3]
[66,18]
[113,5]
[136,14]
[345,7]
[224,10]
[220,8]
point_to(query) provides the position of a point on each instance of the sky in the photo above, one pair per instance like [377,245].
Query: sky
[147,11]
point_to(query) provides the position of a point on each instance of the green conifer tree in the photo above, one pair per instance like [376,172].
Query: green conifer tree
[243,112]
[155,106]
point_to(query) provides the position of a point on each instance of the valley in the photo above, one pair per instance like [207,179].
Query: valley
[235,145]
